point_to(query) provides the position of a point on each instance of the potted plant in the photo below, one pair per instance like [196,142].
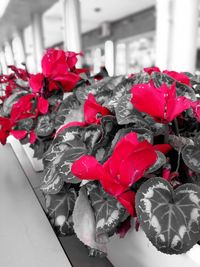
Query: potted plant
[32,106]
[135,156]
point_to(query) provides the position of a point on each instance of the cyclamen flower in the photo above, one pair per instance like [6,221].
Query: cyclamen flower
[93,112]
[151,69]
[57,69]
[161,103]
[180,77]
[128,163]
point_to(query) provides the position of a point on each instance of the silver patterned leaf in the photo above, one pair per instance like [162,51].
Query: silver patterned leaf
[59,209]
[191,157]
[45,126]
[108,211]
[170,218]
[178,142]
[125,112]
[161,160]
[52,181]
[84,222]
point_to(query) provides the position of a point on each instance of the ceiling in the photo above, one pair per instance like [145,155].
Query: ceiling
[18,15]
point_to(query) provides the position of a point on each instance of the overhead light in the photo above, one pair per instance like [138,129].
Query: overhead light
[3,6]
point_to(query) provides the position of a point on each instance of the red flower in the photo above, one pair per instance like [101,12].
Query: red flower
[5,128]
[71,58]
[151,69]
[161,103]
[18,134]
[93,111]
[180,77]
[43,105]
[32,137]
[126,166]
[23,108]
[55,67]
[36,82]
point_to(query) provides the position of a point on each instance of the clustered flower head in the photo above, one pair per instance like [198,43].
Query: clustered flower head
[30,100]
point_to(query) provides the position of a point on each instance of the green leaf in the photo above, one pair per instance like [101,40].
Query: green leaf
[125,112]
[160,78]
[59,209]
[45,126]
[52,181]
[63,167]
[184,90]
[170,218]
[25,124]
[178,142]
[161,160]
[10,101]
[84,222]
[91,136]
[68,111]
[191,157]
[108,211]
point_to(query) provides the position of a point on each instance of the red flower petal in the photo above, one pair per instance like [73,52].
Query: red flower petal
[151,69]
[122,150]
[19,134]
[127,199]
[36,82]
[196,109]
[134,166]
[3,137]
[87,167]
[70,124]
[32,137]
[43,105]
[164,148]
[155,96]
[180,77]
[92,109]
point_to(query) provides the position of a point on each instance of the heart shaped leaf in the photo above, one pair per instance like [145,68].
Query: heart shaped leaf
[45,126]
[108,211]
[191,157]
[170,218]
[178,142]
[84,222]
[52,181]
[59,209]
[125,113]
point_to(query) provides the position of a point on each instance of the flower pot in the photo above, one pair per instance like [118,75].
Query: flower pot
[135,250]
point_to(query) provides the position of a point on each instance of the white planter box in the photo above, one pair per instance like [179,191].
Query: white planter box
[18,149]
[135,250]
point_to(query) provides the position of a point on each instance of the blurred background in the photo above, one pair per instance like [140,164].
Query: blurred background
[122,35]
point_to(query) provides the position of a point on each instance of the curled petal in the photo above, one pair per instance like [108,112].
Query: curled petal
[43,105]
[164,148]
[36,82]
[127,199]
[19,134]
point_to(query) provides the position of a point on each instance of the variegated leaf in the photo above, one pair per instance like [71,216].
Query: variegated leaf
[125,113]
[161,160]
[108,211]
[160,78]
[25,124]
[184,90]
[170,218]
[178,142]
[52,181]
[84,222]
[92,135]
[191,157]
[59,209]
[68,111]
[63,167]
[45,126]
[10,101]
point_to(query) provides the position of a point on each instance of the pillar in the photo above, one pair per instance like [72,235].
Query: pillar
[38,39]
[176,34]
[109,57]
[72,26]
[184,35]
[163,31]
[4,68]
[9,55]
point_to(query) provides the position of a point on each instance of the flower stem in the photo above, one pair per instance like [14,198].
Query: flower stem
[166,137]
